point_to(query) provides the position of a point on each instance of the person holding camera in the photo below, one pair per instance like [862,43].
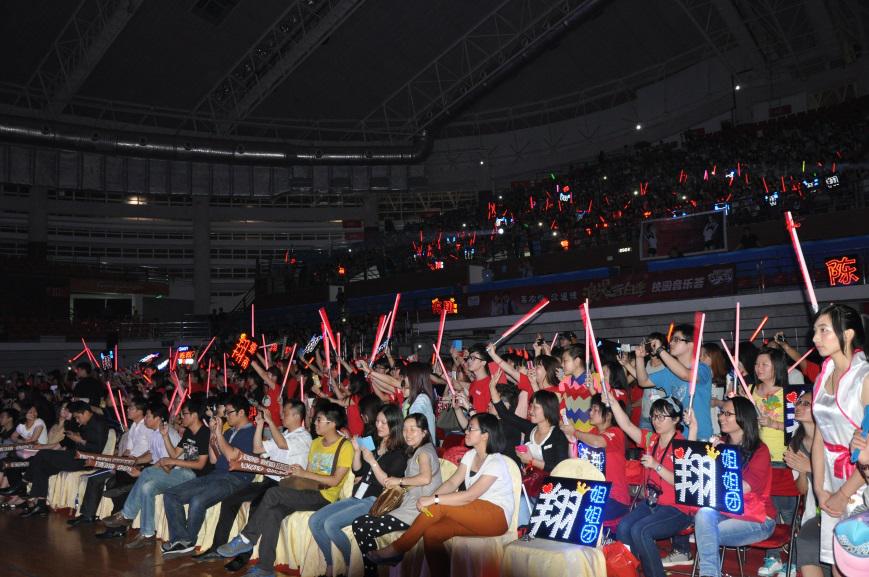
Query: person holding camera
[658,516]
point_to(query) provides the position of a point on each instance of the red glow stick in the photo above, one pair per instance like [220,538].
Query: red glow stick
[595,354]
[211,342]
[587,338]
[555,338]
[735,365]
[699,322]
[175,391]
[801,359]
[798,251]
[114,402]
[116,358]
[324,317]
[758,329]
[75,358]
[394,314]
[670,331]
[123,409]
[377,336]
[90,353]
[225,384]
[287,373]
[736,337]
[338,354]
[265,351]
[441,324]
[527,317]
[252,325]
[327,348]
[447,378]
[208,379]
[171,363]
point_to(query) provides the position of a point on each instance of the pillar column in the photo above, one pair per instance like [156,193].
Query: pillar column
[201,256]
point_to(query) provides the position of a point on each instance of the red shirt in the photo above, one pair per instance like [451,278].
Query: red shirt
[758,474]
[274,403]
[524,384]
[354,418]
[650,442]
[479,394]
[615,463]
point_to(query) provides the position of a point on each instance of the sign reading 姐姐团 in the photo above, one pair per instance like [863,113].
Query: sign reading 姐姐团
[707,476]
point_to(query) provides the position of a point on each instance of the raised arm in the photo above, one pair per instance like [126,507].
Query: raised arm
[624,422]
[504,365]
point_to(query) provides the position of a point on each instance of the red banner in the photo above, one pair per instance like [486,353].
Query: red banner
[624,290]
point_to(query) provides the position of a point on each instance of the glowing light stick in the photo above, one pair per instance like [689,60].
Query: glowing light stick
[735,364]
[208,379]
[252,316]
[338,354]
[90,353]
[554,339]
[441,325]
[211,342]
[595,354]
[757,330]
[123,409]
[394,314]
[287,373]
[75,358]
[265,351]
[699,322]
[798,251]
[670,331]
[801,359]
[736,334]
[527,317]
[114,402]
[327,348]
[447,378]
[328,328]
[116,358]
[377,335]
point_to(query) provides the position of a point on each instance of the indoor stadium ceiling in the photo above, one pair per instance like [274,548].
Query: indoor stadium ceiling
[382,71]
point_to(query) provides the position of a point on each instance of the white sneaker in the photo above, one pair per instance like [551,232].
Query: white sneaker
[677,558]
[770,568]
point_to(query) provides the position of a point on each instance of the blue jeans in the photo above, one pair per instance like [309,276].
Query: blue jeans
[327,523]
[713,529]
[200,493]
[640,528]
[151,483]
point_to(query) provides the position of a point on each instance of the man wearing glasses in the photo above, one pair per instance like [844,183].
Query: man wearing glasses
[477,367]
[203,492]
[673,379]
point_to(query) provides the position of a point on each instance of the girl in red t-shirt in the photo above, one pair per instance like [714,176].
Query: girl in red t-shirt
[712,528]
[610,437]
[657,516]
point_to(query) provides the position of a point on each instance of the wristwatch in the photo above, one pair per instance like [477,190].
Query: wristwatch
[658,468]
[437,500]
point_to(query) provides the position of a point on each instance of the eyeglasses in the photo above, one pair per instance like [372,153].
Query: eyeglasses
[322,420]
[471,430]
[232,411]
[660,417]
[726,413]
[472,357]
[677,339]
[803,404]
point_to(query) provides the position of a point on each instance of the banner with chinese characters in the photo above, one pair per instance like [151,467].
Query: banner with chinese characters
[842,270]
[569,510]
[682,284]
[594,455]
[243,351]
[792,393]
[707,476]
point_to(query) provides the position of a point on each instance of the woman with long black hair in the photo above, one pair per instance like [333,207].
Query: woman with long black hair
[712,528]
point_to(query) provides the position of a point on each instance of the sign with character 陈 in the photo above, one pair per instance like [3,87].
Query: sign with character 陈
[792,394]
[594,455]
[569,510]
[708,476]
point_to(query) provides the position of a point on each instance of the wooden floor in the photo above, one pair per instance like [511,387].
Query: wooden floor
[47,547]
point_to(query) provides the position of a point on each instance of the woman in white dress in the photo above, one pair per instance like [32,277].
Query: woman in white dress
[841,393]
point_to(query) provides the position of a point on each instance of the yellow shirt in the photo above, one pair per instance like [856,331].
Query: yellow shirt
[320,461]
[773,408]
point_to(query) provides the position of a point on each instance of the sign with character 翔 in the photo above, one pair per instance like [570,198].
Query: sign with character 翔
[708,476]
[594,455]
[569,510]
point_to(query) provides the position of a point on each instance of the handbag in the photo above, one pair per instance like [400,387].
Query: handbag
[389,500]
[533,480]
[300,484]
[446,419]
